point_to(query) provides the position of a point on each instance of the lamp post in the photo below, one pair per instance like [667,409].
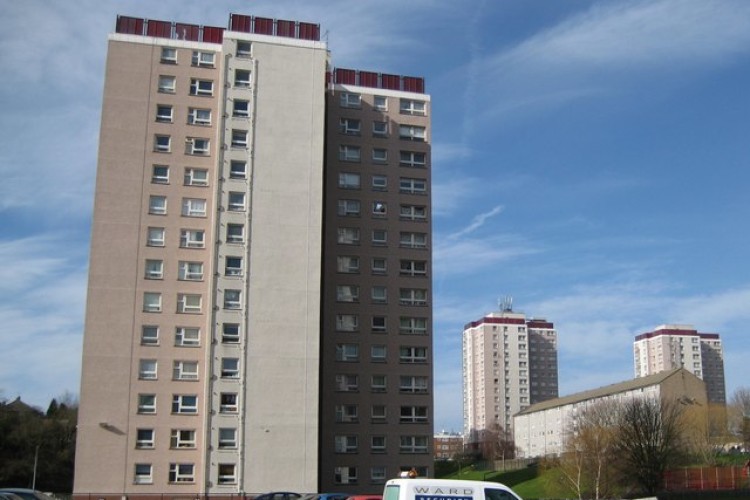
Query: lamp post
[36,460]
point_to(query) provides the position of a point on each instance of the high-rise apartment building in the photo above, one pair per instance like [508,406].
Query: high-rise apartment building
[682,346]
[509,363]
[259,300]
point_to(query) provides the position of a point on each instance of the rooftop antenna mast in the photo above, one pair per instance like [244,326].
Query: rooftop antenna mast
[506,303]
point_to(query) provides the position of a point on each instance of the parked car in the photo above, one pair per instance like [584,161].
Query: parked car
[279,495]
[365,497]
[9,496]
[325,496]
[26,493]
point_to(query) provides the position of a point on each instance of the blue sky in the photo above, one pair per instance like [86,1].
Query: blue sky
[590,159]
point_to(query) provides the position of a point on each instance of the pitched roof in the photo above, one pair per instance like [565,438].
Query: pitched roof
[607,390]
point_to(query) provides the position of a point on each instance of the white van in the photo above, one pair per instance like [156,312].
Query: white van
[446,489]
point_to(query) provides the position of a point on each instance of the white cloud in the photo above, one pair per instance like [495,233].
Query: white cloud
[468,255]
[477,222]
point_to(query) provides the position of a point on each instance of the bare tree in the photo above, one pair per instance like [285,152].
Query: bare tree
[587,461]
[739,415]
[497,444]
[649,440]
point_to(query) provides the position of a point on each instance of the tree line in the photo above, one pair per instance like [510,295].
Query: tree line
[37,448]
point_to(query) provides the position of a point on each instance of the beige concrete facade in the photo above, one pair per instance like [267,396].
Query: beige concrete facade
[509,363]
[212,359]
[675,346]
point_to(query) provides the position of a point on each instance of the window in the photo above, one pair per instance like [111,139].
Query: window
[187,336]
[380,103]
[243,48]
[232,299]
[229,402]
[236,202]
[413,268]
[380,129]
[190,271]
[413,384]
[412,159]
[240,108]
[193,207]
[154,269]
[379,237]
[413,444]
[377,474]
[188,303]
[227,438]
[345,475]
[348,208]
[169,55]
[347,352]
[152,302]
[377,444]
[204,59]
[379,208]
[242,78]
[347,264]
[378,413]
[413,212]
[235,233]
[346,413]
[155,237]
[199,116]
[411,133]
[378,383]
[349,180]
[347,293]
[144,439]
[238,169]
[230,333]
[412,186]
[347,322]
[201,87]
[408,354]
[379,183]
[239,138]
[230,368]
[157,205]
[182,438]
[192,238]
[345,444]
[347,383]
[160,174]
[413,240]
[350,100]
[379,155]
[412,107]
[150,335]
[197,146]
[185,370]
[167,84]
[413,296]
[143,474]
[185,404]
[162,143]
[378,353]
[348,236]
[227,474]
[379,265]
[146,404]
[350,153]
[412,325]
[233,266]
[147,369]
[379,295]
[413,414]
[378,324]
[164,113]
[181,473]
[350,126]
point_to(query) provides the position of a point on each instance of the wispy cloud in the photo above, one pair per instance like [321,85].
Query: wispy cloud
[466,255]
[477,222]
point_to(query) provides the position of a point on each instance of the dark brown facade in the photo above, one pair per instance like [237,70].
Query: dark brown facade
[376,359]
